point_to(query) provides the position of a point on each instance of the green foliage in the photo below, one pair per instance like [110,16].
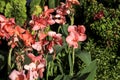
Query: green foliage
[2,6]
[53,3]
[107,60]
[16,9]
[36,6]
[107,27]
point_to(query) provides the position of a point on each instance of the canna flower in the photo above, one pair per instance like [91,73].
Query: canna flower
[37,46]
[27,38]
[17,75]
[76,34]
[32,72]
[42,21]
[6,27]
[60,19]
[80,30]
[73,39]
[56,39]
[36,67]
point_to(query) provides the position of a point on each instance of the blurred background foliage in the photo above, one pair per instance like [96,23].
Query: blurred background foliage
[102,21]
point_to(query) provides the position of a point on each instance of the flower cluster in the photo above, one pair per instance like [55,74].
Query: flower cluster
[39,38]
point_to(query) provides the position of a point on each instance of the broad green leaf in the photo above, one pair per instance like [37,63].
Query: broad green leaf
[88,72]
[89,68]
[59,77]
[84,56]
[92,74]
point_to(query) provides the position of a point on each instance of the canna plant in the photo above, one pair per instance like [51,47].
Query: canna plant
[49,47]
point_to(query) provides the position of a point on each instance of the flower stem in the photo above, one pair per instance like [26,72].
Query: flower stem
[73,55]
[59,28]
[9,59]
[72,19]
[47,67]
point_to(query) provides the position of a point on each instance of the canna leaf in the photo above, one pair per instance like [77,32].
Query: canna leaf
[84,56]
[51,3]
[59,77]
[88,72]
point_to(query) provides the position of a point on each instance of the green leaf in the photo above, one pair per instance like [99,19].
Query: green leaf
[58,48]
[51,3]
[50,68]
[60,67]
[89,68]
[2,6]
[33,5]
[67,77]
[59,77]
[84,56]
[64,29]
[88,72]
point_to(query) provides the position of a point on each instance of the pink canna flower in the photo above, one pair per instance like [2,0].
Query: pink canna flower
[36,67]
[37,46]
[31,66]
[56,39]
[72,39]
[62,9]
[17,75]
[80,30]
[76,34]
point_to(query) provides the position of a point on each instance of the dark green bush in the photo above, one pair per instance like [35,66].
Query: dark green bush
[103,27]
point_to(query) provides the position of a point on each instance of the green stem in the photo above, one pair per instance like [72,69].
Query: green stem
[73,55]
[9,57]
[72,19]
[9,60]
[47,67]
[59,28]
